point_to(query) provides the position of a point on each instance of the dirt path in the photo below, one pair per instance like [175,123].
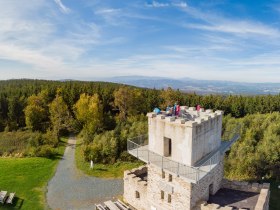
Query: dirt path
[71,189]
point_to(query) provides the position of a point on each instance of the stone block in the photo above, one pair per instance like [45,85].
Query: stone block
[219,112]
[208,111]
[180,121]
[255,187]
[226,208]
[161,116]
[243,183]
[151,114]
[170,119]
[191,123]
[206,118]
[199,120]
[266,186]
[216,206]
[213,115]
[192,108]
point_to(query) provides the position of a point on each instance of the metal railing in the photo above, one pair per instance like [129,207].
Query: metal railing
[138,147]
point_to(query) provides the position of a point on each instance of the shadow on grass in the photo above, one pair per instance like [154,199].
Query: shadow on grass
[55,157]
[100,169]
[17,204]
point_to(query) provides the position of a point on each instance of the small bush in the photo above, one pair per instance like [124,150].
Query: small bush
[46,151]
[125,156]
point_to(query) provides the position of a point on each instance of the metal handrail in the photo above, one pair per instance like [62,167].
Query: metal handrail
[233,136]
[142,153]
[137,147]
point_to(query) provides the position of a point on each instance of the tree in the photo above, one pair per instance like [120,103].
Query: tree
[89,112]
[15,113]
[128,101]
[59,115]
[170,97]
[36,112]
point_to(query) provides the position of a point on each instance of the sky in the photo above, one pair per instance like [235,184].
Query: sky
[235,40]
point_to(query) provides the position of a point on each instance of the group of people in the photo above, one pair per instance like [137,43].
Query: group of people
[170,110]
[173,110]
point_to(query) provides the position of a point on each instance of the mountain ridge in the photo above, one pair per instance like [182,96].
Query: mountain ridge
[187,84]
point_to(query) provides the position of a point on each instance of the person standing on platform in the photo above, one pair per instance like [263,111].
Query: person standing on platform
[177,110]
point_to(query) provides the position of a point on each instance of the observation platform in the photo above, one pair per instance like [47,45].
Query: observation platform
[138,147]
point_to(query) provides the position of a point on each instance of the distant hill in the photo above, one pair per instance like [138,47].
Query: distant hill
[198,86]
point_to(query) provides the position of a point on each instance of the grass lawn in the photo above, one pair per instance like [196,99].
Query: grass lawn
[101,170]
[28,177]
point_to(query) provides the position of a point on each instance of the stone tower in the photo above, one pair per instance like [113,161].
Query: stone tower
[184,156]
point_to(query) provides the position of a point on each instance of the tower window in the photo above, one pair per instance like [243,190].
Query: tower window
[162,194]
[170,178]
[163,174]
[167,147]
[169,198]
[137,194]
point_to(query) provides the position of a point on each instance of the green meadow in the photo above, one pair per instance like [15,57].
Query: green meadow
[28,177]
[115,170]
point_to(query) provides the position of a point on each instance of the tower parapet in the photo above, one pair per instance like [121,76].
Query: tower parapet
[184,156]
[186,138]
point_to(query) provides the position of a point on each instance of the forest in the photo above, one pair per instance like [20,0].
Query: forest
[35,113]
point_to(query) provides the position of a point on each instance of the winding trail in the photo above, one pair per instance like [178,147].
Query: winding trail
[72,189]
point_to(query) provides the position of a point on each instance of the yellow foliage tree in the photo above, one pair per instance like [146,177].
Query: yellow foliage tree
[89,112]
[36,112]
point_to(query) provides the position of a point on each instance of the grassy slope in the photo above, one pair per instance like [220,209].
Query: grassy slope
[100,170]
[28,177]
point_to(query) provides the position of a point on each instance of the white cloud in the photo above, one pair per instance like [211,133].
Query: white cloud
[108,11]
[156,4]
[263,60]
[62,7]
[29,38]
[33,57]
[238,28]
[180,4]
[214,22]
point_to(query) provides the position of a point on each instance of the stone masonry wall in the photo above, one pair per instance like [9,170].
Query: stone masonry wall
[200,191]
[211,206]
[178,189]
[133,183]
[244,186]
[263,189]
[263,200]
[184,195]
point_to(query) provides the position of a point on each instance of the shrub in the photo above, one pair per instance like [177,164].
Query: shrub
[45,151]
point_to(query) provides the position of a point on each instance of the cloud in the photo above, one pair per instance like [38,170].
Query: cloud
[37,41]
[108,11]
[180,4]
[28,56]
[62,7]
[156,4]
[211,21]
[238,28]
